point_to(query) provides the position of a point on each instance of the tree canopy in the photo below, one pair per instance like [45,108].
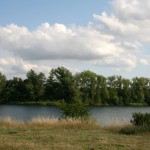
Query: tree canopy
[85,86]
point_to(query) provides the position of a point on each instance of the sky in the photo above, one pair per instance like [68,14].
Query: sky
[109,37]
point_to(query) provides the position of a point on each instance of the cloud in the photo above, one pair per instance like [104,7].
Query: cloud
[129,23]
[115,25]
[57,42]
[15,66]
[128,19]
[121,63]
[113,39]
[131,9]
[144,61]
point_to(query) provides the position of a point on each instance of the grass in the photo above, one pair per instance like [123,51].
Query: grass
[71,134]
[132,130]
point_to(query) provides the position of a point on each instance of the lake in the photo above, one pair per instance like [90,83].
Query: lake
[104,115]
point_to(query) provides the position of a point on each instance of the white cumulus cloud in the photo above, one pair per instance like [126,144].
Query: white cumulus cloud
[115,41]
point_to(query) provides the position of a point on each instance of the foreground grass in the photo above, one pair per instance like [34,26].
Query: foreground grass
[47,134]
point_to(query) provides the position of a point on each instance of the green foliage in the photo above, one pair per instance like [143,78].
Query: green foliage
[14,89]
[35,85]
[2,83]
[102,93]
[88,86]
[139,119]
[87,81]
[60,85]
[140,124]
[138,85]
[112,88]
[74,110]
[93,87]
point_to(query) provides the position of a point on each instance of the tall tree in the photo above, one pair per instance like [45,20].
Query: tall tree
[60,85]
[35,85]
[137,90]
[126,91]
[14,90]
[102,90]
[87,81]
[2,84]
[112,88]
[146,90]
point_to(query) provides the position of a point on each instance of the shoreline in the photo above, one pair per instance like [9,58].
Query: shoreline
[51,103]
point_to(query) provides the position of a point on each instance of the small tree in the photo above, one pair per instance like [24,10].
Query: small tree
[74,110]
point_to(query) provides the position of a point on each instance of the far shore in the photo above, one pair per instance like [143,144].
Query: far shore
[57,103]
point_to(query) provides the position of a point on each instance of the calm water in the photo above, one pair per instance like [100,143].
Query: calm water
[104,115]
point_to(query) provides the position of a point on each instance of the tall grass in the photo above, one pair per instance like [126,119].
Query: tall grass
[9,122]
[68,123]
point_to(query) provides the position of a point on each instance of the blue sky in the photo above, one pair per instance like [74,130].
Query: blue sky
[32,13]
[100,35]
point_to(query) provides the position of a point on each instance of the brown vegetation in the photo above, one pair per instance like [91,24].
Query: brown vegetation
[71,134]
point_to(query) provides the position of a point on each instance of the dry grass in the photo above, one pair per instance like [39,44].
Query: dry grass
[71,134]
[51,123]
[64,123]
[7,122]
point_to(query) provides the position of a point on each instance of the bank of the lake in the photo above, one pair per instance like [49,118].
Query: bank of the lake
[56,103]
[73,135]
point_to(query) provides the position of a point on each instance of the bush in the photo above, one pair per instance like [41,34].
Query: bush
[74,110]
[139,119]
[140,124]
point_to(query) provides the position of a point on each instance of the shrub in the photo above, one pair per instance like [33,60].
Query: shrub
[74,110]
[139,119]
[140,124]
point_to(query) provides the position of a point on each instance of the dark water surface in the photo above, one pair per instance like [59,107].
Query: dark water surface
[104,115]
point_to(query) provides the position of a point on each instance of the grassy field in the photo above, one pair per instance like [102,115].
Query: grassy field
[48,134]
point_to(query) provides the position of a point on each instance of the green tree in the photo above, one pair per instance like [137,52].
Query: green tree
[112,88]
[2,84]
[126,91]
[35,85]
[102,94]
[61,85]
[122,87]
[146,90]
[137,90]
[87,81]
[14,90]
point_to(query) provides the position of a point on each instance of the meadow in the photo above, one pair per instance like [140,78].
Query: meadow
[70,134]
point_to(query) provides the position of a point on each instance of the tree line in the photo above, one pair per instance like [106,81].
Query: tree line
[86,86]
